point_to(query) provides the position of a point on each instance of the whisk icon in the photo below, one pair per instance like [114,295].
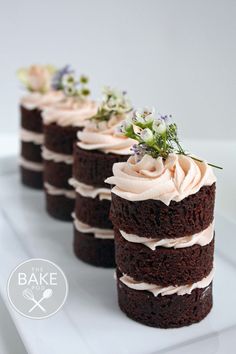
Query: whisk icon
[28,294]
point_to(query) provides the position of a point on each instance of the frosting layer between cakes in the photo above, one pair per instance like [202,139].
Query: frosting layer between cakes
[52,190]
[169,290]
[30,165]
[201,238]
[89,191]
[30,136]
[56,157]
[96,231]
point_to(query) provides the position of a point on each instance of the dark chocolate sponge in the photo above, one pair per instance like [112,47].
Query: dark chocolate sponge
[170,311]
[93,167]
[31,151]
[95,251]
[57,174]
[60,139]
[31,119]
[33,179]
[154,219]
[59,206]
[93,211]
[164,266]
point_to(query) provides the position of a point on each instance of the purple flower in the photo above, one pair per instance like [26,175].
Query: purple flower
[58,76]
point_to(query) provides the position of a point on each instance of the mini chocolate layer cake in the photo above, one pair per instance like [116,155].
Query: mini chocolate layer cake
[163,266]
[95,251]
[169,311]
[187,217]
[58,140]
[93,211]
[93,167]
[31,122]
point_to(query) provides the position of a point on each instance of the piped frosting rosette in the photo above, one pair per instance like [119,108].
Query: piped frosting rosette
[70,112]
[104,136]
[175,178]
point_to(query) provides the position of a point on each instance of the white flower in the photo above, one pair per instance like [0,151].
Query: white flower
[70,90]
[159,126]
[68,80]
[147,135]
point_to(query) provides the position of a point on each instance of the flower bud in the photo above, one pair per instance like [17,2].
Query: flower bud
[147,135]
[159,126]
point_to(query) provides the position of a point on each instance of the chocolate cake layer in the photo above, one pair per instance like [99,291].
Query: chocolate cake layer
[31,151]
[59,206]
[31,178]
[93,211]
[95,251]
[60,139]
[164,266]
[31,119]
[57,174]
[93,167]
[154,219]
[170,311]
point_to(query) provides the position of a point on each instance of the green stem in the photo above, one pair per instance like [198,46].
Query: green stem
[210,164]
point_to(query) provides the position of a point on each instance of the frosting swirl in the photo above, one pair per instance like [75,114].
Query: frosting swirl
[104,136]
[41,101]
[70,112]
[175,178]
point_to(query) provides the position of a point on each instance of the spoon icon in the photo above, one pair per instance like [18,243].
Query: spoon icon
[46,295]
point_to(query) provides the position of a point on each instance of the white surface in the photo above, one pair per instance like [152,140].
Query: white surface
[177,55]
[91,321]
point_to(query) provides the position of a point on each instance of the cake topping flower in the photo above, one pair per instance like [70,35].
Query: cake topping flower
[156,134]
[114,103]
[36,78]
[65,79]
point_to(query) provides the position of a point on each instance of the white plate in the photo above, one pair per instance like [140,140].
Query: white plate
[91,322]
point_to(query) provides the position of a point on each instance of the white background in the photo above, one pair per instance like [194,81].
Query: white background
[178,55]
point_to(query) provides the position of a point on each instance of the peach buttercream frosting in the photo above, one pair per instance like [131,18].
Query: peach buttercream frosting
[104,136]
[173,178]
[41,100]
[70,111]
